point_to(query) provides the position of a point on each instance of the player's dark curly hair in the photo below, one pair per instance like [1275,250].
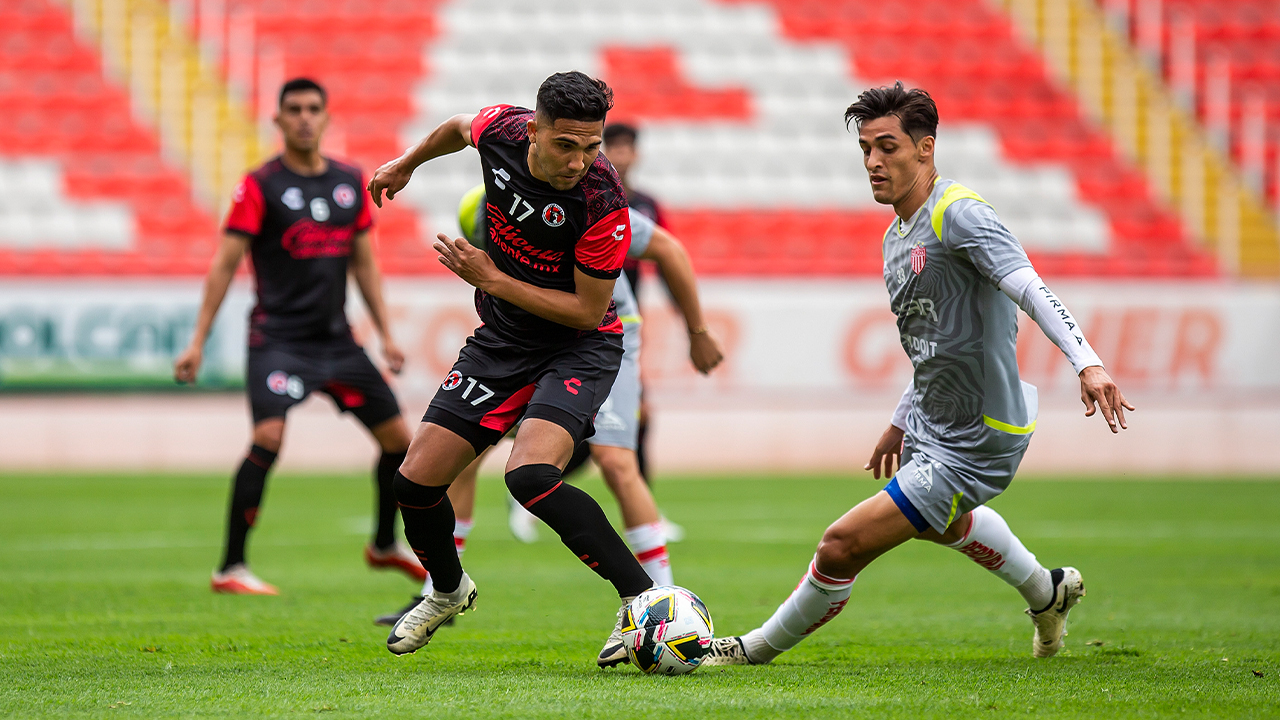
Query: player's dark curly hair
[301,83]
[914,109]
[574,96]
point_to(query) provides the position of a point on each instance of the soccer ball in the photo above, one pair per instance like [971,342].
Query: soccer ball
[667,630]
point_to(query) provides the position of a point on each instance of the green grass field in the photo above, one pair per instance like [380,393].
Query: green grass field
[107,612]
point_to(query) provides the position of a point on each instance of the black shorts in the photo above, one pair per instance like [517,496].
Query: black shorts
[280,375]
[494,384]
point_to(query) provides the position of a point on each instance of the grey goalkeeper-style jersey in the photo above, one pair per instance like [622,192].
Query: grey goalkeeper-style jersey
[942,267]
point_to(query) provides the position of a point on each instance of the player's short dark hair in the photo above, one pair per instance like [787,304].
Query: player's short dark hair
[574,96]
[914,109]
[615,133]
[302,83]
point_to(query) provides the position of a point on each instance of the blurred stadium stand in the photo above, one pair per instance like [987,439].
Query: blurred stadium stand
[128,121]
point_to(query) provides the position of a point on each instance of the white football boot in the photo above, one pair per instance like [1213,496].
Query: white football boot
[614,651]
[1051,623]
[727,651]
[415,629]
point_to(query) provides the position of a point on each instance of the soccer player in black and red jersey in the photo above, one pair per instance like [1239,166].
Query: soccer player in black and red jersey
[548,348]
[305,223]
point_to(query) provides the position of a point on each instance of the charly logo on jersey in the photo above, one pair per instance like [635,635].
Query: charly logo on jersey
[282,383]
[292,199]
[918,256]
[345,196]
[553,215]
[319,210]
[453,380]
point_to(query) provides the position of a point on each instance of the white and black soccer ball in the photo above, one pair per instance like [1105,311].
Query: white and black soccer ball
[667,630]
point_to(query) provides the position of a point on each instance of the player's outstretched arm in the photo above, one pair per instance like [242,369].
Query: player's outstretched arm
[582,309]
[364,268]
[450,136]
[1025,287]
[221,272]
[673,262]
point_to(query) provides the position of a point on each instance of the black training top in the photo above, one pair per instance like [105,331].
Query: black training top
[301,229]
[538,234]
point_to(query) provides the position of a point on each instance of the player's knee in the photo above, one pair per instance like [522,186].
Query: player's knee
[393,435]
[410,494]
[269,434]
[528,482]
[840,546]
[618,466]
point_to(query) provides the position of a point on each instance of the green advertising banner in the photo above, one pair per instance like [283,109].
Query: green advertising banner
[113,335]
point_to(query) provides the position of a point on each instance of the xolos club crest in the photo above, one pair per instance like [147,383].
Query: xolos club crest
[452,381]
[553,215]
[918,256]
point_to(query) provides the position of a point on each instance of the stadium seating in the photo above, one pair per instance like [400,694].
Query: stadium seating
[740,104]
[767,183]
[1248,33]
[82,187]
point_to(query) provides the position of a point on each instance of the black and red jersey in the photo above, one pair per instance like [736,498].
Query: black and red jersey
[301,229]
[538,234]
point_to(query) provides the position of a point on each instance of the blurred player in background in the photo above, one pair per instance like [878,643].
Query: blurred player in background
[621,146]
[613,447]
[549,346]
[956,278]
[305,224]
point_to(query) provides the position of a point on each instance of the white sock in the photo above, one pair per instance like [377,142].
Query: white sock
[461,529]
[649,543]
[991,544]
[812,604]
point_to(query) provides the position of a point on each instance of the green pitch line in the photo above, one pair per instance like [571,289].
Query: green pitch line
[105,608]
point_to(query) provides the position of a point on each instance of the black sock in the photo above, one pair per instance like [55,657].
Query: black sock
[384,475]
[428,526]
[581,455]
[581,525]
[246,496]
[642,458]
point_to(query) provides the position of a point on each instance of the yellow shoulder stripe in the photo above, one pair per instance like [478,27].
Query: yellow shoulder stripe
[1006,427]
[950,196]
[629,319]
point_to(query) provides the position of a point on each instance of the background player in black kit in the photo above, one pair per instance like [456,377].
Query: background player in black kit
[549,347]
[305,223]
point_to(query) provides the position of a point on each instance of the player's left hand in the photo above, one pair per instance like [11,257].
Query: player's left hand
[888,453]
[704,351]
[392,354]
[466,261]
[1097,386]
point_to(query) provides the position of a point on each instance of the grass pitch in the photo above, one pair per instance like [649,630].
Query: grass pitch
[107,611]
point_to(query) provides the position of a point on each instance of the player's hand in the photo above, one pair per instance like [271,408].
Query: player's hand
[1096,386]
[466,260]
[887,454]
[187,365]
[704,351]
[392,354]
[392,177]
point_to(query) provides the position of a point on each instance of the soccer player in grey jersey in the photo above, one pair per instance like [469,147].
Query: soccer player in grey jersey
[956,278]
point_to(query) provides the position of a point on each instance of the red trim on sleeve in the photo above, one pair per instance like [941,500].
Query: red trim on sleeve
[364,218]
[247,208]
[603,248]
[482,120]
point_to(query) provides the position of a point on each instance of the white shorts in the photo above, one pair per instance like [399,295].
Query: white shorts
[618,421]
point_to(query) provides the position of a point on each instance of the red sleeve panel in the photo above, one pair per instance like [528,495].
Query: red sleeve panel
[247,208]
[364,218]
[483,119]
[603,248]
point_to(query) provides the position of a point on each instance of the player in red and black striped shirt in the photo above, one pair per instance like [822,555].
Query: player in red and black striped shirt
[549,347]
[305,223]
